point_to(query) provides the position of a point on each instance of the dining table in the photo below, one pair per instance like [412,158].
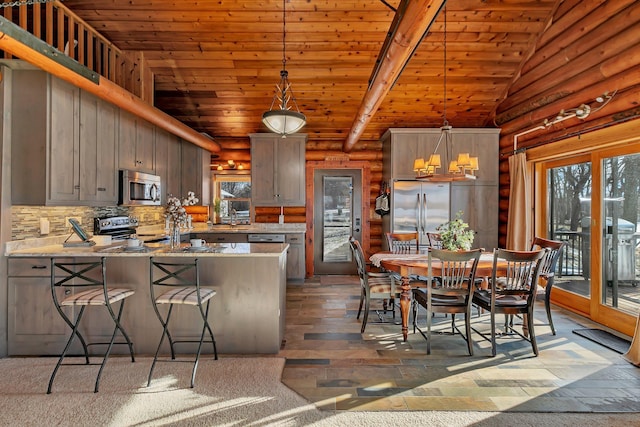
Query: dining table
[415,263]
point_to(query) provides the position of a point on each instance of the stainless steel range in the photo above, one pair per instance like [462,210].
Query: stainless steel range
[118,227]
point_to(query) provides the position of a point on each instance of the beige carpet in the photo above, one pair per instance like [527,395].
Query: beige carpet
[228,392]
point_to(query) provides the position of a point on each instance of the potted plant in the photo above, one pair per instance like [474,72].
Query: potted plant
[455,234]
[216,210]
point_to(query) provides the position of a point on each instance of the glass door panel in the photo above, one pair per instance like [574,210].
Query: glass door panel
[569,220]
[337,221]
[337,216]
[620,237]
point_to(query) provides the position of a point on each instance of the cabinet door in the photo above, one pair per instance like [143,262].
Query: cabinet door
[263,187]
[136,144]
[295,257]
[127,141]
[145,146]
[168,163]
[482,143]
[479,204]
[34,326]
[290,173]
[98,142]
[64,149]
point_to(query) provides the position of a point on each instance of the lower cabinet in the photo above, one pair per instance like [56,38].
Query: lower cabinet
[295,257]
[34,325]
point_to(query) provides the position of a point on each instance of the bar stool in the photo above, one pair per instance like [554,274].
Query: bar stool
[178,283]
[83,284]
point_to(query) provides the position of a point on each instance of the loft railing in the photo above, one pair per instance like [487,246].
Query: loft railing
[57,26]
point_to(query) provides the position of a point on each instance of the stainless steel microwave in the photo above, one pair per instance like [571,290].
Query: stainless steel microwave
[137,188]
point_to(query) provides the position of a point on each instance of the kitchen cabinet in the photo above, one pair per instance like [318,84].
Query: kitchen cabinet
[98,150]
[136,149]
[196,172]
[34,325]
[478,199]
[278,170]
[63,143]
[402,146]
[168,163]
[296,269]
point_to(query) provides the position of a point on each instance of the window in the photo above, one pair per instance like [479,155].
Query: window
[233,192]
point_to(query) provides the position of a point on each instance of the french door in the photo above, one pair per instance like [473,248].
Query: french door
[592,204]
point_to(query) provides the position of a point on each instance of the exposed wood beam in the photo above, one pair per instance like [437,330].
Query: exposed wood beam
[417,16]
[106,90]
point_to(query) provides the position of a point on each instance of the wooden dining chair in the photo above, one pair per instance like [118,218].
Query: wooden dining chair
[451,293]
[374,285]
[435,240]
[548,270]
[402,242]
[512,291]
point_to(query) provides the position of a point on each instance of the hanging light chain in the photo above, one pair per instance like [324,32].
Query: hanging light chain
[23,3]
[444,94]
[284,34]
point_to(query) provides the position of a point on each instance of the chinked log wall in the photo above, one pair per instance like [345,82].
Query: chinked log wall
[589,48]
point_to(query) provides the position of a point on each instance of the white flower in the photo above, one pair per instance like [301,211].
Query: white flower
[175,208]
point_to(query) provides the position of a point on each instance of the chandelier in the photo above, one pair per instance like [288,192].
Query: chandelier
[283,120]
[457,169]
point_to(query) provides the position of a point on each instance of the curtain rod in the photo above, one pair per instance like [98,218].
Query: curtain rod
[572,134]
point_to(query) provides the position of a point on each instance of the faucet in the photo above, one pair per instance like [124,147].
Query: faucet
[234,217]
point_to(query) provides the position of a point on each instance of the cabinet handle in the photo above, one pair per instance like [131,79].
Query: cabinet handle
[102,189]
[39,267]
[77,187]
[67,291]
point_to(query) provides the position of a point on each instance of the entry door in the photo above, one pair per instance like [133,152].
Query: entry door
[337,208]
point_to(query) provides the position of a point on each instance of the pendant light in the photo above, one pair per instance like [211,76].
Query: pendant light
[283,120]
[464,165]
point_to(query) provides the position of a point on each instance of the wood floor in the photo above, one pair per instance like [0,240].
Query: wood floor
[332,364]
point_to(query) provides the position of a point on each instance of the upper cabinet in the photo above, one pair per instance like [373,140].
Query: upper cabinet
[278,169]
[63,143]
[98,150]
[402,146]
[196,172]
[137,144]
[168,163]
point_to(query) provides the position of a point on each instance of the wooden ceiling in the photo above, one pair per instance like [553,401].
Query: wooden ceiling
[216,63]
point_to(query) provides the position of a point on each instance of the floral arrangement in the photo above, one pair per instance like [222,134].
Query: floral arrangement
[456,234]
[175,210]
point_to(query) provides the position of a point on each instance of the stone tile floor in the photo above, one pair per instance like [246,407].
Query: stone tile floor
[331,364]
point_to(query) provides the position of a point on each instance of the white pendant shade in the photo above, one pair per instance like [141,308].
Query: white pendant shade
[284,122]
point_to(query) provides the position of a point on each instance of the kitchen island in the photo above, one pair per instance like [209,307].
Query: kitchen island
[247,314]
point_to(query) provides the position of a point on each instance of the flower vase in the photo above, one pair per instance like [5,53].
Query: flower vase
[174,235]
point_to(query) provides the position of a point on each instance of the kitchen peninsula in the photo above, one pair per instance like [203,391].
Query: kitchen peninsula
[247,313]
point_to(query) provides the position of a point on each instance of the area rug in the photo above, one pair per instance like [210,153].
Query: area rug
[604,338]
[228,392]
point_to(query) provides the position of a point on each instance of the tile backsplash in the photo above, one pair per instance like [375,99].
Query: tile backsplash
[25,220]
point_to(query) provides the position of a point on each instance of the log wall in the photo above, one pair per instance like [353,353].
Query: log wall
[588,49]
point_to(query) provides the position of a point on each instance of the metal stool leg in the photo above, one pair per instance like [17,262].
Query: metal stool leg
[165,332]
[74,333]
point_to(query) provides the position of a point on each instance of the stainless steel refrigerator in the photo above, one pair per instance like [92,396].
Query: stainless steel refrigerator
[418,205]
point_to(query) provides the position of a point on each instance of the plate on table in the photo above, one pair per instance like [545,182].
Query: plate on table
[197,248]
[134,249]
